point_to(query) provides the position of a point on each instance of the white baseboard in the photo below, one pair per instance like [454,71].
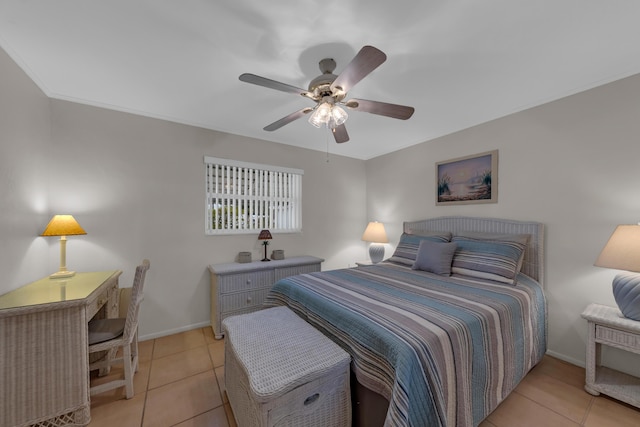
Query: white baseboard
[173,331]
[566,358]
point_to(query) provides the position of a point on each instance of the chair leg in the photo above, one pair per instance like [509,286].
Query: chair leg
[128,370]
[134,351]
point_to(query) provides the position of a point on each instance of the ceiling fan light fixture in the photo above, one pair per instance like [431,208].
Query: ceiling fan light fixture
[321,115]
[328,91]
[338,115]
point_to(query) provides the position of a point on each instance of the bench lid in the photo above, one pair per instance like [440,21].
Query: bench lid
[280,351]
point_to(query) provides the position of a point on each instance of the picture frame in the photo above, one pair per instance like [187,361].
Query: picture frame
[468,180]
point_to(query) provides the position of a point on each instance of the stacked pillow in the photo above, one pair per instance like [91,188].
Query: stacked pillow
[491,256]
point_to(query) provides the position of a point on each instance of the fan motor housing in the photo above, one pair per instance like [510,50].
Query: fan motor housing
[321,85]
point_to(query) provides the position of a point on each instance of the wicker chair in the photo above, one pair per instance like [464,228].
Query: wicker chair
[111,334]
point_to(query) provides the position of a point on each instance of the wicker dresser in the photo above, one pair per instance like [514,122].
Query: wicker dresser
[280,371]
[607,326]
[241,288]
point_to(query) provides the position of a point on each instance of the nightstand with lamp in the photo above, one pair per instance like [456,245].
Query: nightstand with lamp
[612,327]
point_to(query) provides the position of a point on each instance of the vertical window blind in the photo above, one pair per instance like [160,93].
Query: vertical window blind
[244,197]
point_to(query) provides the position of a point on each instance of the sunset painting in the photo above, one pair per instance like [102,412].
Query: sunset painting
[471,179]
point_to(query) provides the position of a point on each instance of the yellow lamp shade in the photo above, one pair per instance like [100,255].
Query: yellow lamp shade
[63,225]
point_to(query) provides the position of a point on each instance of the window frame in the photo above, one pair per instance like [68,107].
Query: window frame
[267,197]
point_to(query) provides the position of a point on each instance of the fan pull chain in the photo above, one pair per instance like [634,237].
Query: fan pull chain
[327,141]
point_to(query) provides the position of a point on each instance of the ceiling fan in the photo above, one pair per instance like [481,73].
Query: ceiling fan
[328,91]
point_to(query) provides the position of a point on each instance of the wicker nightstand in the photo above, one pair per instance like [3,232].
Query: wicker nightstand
[607,326]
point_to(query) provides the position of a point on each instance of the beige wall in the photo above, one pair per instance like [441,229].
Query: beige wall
[571,164]
[24,136]
[138,190]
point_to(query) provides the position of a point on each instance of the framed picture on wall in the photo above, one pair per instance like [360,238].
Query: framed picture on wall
[470,179]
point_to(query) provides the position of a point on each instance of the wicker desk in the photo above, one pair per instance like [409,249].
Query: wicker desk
[43,348]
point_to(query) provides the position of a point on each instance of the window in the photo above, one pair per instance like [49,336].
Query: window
[246,197]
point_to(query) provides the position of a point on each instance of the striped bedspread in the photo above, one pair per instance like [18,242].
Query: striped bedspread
[445,351]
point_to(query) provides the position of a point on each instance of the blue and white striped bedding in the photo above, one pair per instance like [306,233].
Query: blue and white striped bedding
[445,351]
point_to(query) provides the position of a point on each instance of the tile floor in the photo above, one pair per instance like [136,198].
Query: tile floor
[180,382]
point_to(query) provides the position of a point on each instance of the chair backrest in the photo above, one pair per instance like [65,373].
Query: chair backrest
[131,324]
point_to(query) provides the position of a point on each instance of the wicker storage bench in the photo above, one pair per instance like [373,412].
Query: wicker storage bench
[280,371]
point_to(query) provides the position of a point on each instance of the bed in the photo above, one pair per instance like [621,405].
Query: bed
[432,347]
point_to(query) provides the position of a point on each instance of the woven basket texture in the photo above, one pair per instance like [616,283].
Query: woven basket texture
[280,371]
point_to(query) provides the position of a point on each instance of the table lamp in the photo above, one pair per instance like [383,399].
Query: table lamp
[266,236]
[375,234]
[63,226]
[622,252]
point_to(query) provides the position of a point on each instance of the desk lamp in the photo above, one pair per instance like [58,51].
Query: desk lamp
[63,226]
[375,234]
[266,236]
[622,252]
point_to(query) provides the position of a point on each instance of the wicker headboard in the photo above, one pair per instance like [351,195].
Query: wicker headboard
[533,264]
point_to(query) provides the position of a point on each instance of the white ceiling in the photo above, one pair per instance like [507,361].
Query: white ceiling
[459,63]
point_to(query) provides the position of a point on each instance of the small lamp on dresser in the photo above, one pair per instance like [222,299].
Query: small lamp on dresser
[265,236]
[622,252]
[375,234]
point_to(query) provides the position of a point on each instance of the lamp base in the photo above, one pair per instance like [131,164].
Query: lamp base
[265,243]
[376,252]
[62,274]
[626,291]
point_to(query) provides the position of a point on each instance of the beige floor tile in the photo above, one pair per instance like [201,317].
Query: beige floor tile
[214,418]
[216,350]
[606,412]
[208,335]
[176,366]
[566,399]
[140,380]
[561,370]
[182,400]
[145,350]
[518,411]
[121,413]
[178,342]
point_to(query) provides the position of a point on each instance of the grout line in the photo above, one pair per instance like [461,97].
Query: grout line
[146,390]
[546,407]
[588,411]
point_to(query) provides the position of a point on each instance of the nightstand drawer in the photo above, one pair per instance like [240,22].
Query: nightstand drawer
[617,338]
[246,281]
[242,300]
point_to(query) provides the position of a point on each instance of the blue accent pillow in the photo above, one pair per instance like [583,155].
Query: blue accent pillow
[435,257]
[407,249]
[487,259]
